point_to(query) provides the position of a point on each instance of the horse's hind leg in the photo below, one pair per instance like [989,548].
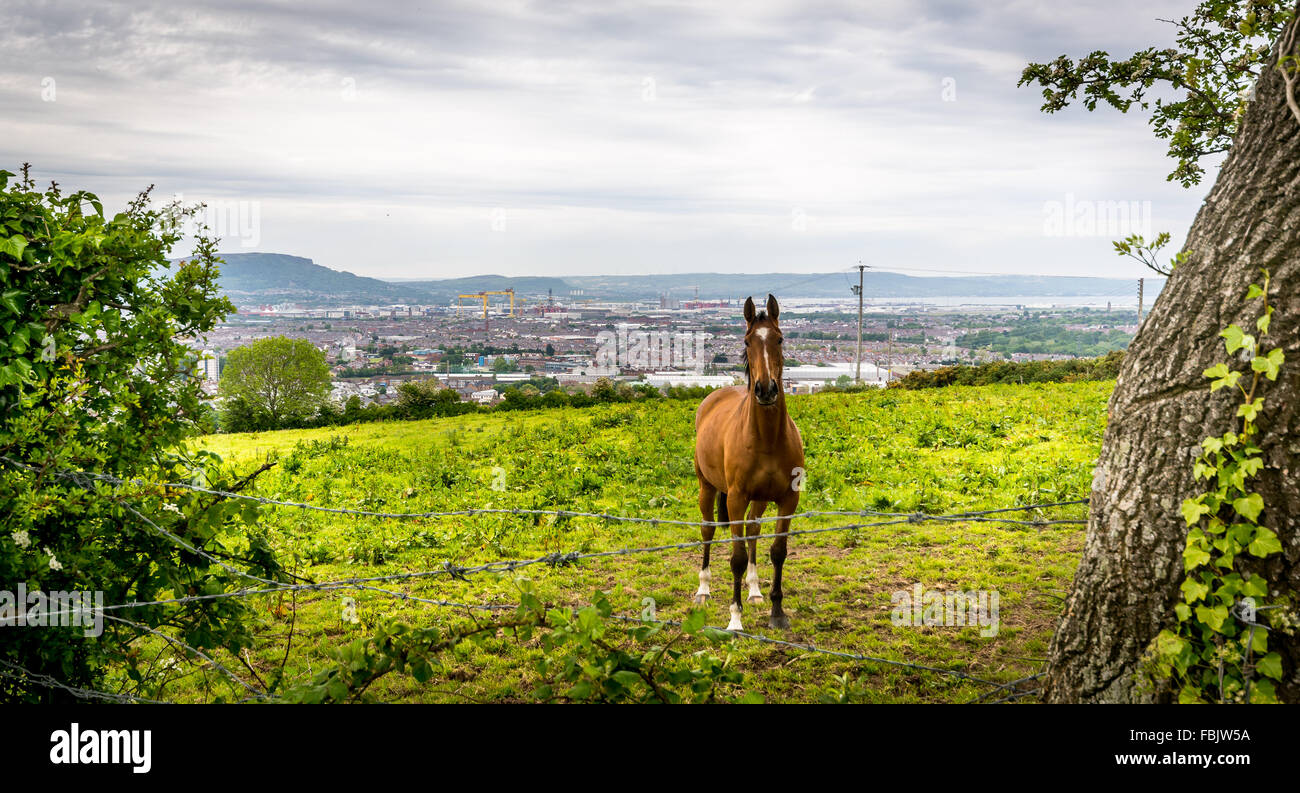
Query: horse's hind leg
[784,508]
[753,529]
[708,494]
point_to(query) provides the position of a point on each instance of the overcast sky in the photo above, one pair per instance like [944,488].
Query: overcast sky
[445,139]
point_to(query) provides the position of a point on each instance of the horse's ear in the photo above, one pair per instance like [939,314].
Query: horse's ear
[749,310]
[773,310]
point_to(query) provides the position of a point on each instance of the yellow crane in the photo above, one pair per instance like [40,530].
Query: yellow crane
[484,297]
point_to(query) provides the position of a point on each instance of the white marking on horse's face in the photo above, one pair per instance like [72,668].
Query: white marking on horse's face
[735,625]
[751,578]
[762,334]
[706,576]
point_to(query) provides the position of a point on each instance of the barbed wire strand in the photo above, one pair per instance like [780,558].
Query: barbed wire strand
[559,513]
[452,570]
[24,674]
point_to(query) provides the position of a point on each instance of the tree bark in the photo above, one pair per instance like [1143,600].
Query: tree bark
[1128,579]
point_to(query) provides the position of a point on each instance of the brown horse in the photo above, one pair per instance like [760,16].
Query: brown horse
[748,453]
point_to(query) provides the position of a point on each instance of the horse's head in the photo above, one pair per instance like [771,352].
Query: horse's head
[764,360]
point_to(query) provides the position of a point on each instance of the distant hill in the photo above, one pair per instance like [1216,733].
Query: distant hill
[256,278]
[259,278]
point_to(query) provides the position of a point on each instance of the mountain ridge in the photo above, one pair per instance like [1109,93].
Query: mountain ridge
[275,277]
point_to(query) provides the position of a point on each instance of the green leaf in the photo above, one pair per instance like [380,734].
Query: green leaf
[580,690]
[1194,557]
[1233,338]
[1263,693]
[716,635]
[1194,590]
[694,621]
[1168,644]
[1264,321]
[14,246]
[1270,665]
[1249,410]
[1249,506]
[1265,542]
[626,678]
[1214,616]
[9,299]
[1255,586]
[1227,381]
[1193,509]
[1269,364]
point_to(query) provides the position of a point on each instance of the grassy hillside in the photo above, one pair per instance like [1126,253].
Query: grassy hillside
[960,448]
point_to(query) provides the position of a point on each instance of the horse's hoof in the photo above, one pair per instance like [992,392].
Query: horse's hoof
[755,598]
[700,600]
[779,621]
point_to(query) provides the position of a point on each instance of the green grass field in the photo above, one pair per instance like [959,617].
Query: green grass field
[937,451]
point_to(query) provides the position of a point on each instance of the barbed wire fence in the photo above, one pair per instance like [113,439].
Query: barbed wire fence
[451,570]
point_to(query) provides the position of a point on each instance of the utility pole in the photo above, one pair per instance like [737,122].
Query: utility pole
[1140,284]
[857,374]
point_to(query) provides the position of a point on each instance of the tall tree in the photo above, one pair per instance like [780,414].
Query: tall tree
[1239,96]
[274,383]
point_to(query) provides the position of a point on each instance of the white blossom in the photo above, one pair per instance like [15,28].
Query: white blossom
[21,538]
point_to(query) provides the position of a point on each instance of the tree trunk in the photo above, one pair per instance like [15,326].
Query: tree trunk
[1128,579]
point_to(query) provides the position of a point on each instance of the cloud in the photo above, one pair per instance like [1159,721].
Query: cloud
[664,137]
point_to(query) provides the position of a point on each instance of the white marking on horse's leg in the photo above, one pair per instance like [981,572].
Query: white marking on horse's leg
[751,578]
[735,625]
[705,577]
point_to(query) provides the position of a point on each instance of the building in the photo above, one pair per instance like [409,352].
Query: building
[210,366]
[807,379]
[686,379]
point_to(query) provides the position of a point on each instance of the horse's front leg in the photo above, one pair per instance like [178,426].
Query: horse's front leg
[784,508]
[708,496]
[737,503]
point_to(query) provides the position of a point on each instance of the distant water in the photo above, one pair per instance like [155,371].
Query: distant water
[1035,301]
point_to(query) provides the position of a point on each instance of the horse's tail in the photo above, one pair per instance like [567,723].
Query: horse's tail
[723,515]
